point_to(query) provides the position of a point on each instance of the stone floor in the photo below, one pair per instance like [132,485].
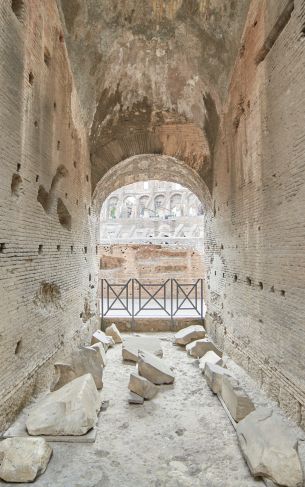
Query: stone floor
[181,438]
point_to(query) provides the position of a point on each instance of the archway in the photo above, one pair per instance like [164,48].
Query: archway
[151,166]
[118,253]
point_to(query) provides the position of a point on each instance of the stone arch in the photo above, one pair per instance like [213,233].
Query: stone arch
[147,167]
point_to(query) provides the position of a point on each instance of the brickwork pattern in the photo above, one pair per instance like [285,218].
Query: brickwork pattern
[47,253]
[255,236]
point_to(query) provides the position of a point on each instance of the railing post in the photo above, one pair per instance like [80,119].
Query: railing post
[102,297]
[132,304]
[171,297]
[201,298]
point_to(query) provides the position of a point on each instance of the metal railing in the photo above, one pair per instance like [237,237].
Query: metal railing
[168,299]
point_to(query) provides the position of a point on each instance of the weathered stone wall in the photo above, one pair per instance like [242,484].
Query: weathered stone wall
[154,263]
[255,244]
[46,266]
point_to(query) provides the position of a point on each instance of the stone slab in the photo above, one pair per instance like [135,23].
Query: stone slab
[188,334]
[270,448]
[134,398]
[214,375]
[100,337]
[199,347]
[23,459]
[212,358]
[71,410]
[237,401]
[113,332]
[142,387]
[132,345]
[18,428]
[154,369]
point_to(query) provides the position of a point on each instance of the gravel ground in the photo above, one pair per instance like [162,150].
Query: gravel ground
[181,438]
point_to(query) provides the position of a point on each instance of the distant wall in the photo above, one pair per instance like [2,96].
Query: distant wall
[149,262]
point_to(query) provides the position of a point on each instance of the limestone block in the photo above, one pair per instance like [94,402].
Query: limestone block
[98,346]
[100,337]
[88,360]
[154,369]
[212,358]
[113,332]
[188,334]
[64,373]
[270,448]
[135,398]
[23,459]
[141,386]
[85,360]
[71,410]
[132,345]
[237,401]
[214,375]
[199,347]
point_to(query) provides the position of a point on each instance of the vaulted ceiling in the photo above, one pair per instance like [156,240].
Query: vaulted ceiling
[152,75]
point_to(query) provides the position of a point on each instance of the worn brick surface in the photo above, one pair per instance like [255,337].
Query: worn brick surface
[44,284]
[256,230]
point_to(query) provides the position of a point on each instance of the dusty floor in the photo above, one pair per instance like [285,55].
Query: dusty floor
[181,438]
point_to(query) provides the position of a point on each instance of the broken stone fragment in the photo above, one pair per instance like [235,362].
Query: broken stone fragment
[71,410]
[212,358]
[141,386]
[99,347]
[100,337]
[199,347]
[135,398]
[237,401]
[85,360]
[113,332]
[64,374]
[188,334]
[132,345]
[214,375]
[88,360]
[154,369]
[270,448]
[23,459]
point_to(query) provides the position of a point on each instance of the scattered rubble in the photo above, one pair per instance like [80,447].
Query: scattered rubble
[237,401]
[214,375]
[99,346]
[71,410]
[100,337]
[64,374]
[199,347]
[23,459]
[132,345]
[85,360]
[210,357]
[113,332]
[188,334]
[270,448]
[154,369]
[135,398]
[88,360]
[141,386]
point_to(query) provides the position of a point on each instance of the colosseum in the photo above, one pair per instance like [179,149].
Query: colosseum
[152,243]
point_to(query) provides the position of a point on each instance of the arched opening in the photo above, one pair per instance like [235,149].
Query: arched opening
[153,240]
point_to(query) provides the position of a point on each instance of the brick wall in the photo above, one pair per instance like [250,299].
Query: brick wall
[154,263]
[46,262]
[256,231]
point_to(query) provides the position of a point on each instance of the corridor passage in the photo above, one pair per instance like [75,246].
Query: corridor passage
[180,438]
